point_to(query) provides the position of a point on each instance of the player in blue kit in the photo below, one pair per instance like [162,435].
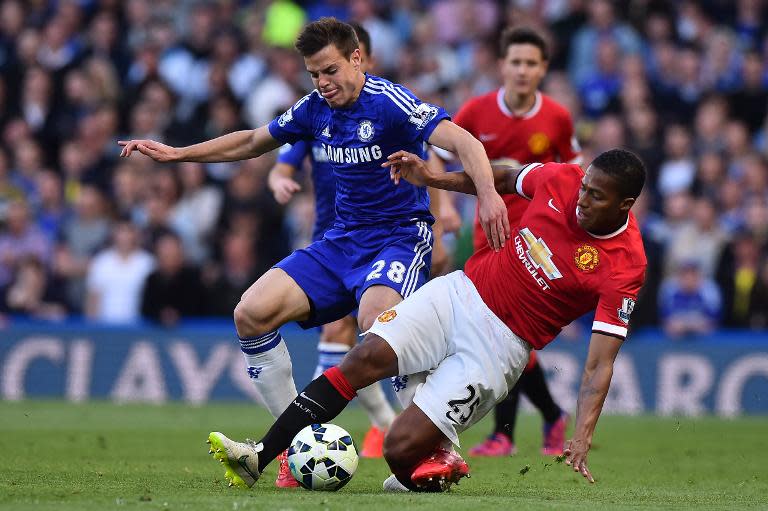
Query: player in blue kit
[378,251]
[338,337]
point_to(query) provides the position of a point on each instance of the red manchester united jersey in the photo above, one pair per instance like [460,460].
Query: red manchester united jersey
[552,271]
[542,135]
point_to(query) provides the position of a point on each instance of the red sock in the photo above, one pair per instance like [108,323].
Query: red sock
[340,382]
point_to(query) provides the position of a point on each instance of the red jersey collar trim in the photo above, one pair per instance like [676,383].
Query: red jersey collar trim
[611,235]
[506,111]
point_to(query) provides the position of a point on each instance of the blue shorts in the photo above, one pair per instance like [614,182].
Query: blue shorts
[335,271]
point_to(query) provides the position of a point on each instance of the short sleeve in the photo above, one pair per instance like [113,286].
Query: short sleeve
[617,301]
[293,154]
[533,175]
[414,118]
[295,123]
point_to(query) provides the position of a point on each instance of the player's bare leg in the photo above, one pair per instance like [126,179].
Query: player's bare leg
[375,300]
[270,302]
[415,452]
[273,300]
[321,401]
[414,446]
[336,339]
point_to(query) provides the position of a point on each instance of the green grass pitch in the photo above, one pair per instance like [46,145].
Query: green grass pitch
[97,456]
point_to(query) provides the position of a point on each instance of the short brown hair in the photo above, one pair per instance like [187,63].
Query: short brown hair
[319,34]
[523,35]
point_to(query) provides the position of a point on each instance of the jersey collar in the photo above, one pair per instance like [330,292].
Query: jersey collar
[506,111]
[606,236]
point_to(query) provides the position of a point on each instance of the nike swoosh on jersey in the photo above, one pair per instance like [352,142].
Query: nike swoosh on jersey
[485,137]
[552,205]
[312,400]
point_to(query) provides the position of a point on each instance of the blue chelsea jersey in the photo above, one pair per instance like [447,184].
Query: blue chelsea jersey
[323,181]
[357,139]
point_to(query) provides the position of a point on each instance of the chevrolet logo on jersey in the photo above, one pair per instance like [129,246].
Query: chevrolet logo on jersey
[540,255]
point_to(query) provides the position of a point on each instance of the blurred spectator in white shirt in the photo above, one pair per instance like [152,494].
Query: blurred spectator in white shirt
[116,278]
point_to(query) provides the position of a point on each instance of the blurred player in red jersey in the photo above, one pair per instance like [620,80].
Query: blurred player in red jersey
[517,125]
[464,339]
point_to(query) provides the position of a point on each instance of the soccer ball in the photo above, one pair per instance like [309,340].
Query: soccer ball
[322,457]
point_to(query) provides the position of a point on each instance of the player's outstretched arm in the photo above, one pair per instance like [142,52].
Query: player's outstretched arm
[239,145]
[595,382]
[408,166]
[281,183]
[492,212]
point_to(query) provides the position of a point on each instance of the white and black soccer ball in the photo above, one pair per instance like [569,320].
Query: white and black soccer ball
[322,457]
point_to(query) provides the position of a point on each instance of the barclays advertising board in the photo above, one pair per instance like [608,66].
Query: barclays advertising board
[724,374]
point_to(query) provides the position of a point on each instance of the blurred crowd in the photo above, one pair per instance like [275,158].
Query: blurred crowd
[682,83]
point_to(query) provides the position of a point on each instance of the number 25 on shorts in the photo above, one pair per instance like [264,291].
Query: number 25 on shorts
[395,273]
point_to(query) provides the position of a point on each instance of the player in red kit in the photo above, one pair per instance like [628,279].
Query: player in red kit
[517,125]
[463,339]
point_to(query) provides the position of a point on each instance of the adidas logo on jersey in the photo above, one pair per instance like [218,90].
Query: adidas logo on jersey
[326,132]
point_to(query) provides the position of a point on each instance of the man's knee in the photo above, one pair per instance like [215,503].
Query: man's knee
[270,302]
[410,440]
[251,319]
[403,449]
[396,448]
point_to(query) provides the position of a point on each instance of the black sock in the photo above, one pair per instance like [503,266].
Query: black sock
[506,413]
[534,384]
[319,402]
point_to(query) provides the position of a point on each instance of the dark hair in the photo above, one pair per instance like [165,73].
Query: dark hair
[319,34]
[523,35]
[625,168]
[363,37]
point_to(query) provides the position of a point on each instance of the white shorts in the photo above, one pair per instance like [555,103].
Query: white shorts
[473,357]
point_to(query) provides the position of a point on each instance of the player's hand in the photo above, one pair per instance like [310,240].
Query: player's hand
[408,166]
[283,188]
[155,150]
[576,457]
[492,213]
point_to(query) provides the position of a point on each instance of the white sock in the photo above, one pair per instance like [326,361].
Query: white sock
[391,484]
[329,354]
[269,367]
[372,397]
[379,410]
